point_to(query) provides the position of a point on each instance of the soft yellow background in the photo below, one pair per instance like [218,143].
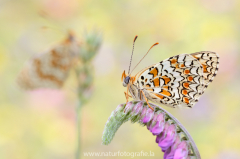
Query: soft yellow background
[41,124]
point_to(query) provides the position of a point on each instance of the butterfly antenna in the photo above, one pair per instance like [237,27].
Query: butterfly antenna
[132,53]
[145,55]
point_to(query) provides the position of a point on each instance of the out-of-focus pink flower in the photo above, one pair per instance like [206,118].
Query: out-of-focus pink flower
[46,98]
[59,9]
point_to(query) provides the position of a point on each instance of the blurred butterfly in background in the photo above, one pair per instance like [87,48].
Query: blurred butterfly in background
[178,81]
[50,69]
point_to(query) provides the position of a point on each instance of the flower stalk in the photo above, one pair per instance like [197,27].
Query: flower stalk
[84,72]
[171,136]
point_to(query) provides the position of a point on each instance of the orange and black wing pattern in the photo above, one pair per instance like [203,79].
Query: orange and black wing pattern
[179,81]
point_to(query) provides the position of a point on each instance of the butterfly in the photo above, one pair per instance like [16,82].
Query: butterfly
[49,69]
[178,81]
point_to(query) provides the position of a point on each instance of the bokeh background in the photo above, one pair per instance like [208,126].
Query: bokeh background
[41,124]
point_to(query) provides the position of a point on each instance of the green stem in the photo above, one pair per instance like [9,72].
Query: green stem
[78,123]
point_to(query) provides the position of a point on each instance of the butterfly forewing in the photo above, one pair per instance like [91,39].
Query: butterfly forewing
[210,62]
[175,82]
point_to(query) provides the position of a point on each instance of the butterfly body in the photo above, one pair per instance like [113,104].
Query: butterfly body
[178,81]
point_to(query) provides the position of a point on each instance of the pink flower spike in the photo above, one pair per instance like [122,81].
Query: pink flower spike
[148,116]
[171,136]
[181,151]
[167,141]
[159,126]
[137,108]
[169,153]
[128,107]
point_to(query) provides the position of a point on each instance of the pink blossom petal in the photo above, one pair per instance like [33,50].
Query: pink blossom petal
[181,151]
[137,108]
[149,115]
[153,122]
[169,153]
[163,133]
[159,126]
[166,142]
[128,107]
[144,111]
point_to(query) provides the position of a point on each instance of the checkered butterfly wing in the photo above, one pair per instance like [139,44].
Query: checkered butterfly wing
[49,69]
[176,82]
[210,62]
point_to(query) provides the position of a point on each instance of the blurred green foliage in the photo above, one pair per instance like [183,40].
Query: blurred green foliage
[41,124]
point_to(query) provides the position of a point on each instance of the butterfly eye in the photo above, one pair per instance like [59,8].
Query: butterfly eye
[126,80]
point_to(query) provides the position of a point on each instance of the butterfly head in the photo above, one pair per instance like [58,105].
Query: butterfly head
[125,79]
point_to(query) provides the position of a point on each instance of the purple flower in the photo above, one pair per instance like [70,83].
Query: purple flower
[167,140]
[128,107]
[157,124]
[144,111]
[137,108]
[169,153]
[181,151]
[147,116]
[163,134]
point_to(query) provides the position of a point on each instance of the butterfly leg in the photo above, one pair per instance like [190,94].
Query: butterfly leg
[147,101]
[126,94]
